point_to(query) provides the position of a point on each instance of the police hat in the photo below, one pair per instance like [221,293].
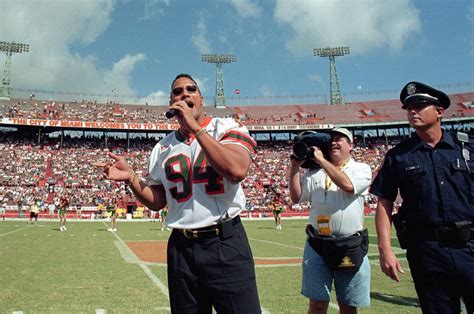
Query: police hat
[416,93]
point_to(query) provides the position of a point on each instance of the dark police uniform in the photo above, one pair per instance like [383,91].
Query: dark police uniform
[435,221]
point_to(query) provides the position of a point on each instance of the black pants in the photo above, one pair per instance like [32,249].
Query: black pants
[442,275]
[212,272]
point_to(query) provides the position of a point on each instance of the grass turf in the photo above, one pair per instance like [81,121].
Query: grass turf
[87,268]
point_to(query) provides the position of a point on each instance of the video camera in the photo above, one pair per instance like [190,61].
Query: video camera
[302,147]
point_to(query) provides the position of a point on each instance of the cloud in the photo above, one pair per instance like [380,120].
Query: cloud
[246,8]
[202,83]
[470,14]
[154,9]
[53,29]
[470,19]
[200,39]
[119,75]
[159,98]
[266,91]
[361,25]
[317,78]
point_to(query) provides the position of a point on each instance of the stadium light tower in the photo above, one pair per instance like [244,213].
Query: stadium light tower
[9,48]
[332,53]
[219,60]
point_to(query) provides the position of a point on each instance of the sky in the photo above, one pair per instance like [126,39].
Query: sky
[136,48]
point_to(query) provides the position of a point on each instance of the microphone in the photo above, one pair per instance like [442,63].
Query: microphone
[171,113]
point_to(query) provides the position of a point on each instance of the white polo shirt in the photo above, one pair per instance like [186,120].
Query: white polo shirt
[345,210]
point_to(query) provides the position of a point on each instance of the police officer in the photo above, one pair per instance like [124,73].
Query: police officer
[433,172]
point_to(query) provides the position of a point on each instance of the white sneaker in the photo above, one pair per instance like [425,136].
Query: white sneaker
[114,229]
[64,227]
[61,228]
[110,229]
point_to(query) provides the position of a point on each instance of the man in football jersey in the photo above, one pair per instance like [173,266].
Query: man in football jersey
[196,171]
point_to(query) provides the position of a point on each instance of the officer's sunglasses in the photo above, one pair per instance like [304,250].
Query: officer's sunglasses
[192,89]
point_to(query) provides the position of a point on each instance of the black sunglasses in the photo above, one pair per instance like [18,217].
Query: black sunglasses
[189,88]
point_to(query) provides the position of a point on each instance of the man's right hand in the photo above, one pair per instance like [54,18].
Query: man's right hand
[318,155]
[389,264]
[119,170]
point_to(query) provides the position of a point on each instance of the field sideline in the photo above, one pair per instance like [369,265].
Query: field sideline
[89,270]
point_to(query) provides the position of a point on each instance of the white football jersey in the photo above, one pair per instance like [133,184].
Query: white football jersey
[197,196]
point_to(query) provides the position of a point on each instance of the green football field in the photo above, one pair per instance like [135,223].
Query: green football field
[89,270]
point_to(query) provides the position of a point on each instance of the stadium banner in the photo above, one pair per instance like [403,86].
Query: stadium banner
[289,127]
[135,126]
[91,124]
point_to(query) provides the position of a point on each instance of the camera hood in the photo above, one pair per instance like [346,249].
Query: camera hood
[303,142]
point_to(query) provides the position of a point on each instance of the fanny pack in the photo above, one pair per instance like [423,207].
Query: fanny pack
[341,253]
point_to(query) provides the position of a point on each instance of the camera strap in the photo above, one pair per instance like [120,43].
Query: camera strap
[328,180]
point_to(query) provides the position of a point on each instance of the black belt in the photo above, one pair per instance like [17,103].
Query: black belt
[205,232]
[437,233]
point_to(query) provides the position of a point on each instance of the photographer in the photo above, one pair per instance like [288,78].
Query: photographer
[336,192]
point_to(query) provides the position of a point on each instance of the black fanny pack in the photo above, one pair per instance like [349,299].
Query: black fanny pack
[341,253]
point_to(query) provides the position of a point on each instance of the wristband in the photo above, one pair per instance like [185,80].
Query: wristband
[201,131]
[135,176]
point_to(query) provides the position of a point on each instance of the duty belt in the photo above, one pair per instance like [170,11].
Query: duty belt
[444,233]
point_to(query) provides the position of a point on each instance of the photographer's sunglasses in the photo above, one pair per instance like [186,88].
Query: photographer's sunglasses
[192,89]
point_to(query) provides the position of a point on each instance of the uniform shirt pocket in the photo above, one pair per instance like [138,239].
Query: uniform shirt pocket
[413,177]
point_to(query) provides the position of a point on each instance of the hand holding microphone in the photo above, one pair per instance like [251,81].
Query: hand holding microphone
[173,112]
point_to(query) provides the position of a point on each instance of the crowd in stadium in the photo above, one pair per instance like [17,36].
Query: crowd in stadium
[43,172]
[83,111]
[297,114]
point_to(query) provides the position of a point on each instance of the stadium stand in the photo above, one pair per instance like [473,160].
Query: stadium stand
[360,112]
[32,169]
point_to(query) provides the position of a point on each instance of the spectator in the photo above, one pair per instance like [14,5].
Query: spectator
[34,210]
[63,207]
[52,209]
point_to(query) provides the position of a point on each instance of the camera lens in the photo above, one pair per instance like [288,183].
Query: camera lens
[300,150]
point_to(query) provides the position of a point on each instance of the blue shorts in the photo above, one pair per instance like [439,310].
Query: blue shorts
[352,288]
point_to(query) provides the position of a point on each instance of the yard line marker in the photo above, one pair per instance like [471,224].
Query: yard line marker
[334,306]
[5,234]
[278,244]
[131,256]
[277,265]
[276,258]
[163,308]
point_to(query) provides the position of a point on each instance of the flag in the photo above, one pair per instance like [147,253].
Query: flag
[237,91]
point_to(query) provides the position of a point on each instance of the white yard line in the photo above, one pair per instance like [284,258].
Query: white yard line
[277,244]
[334,305]
[5,234]
[276,258]
[129,256]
